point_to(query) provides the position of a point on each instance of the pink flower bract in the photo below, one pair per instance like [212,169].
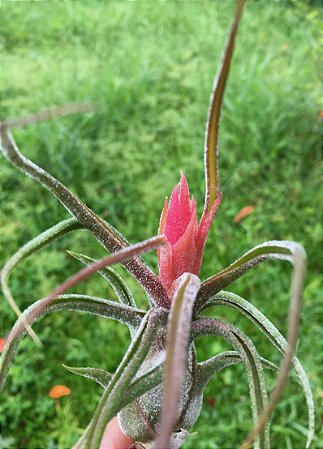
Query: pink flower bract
[186,238]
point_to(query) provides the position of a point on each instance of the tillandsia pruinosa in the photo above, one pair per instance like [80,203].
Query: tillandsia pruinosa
[156,391]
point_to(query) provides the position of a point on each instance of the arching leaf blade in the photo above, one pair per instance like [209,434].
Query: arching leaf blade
[276,338]
[100,376]
[113,397]
[275,249]
[111,239]
[25,251]
[81,303]
[249,355]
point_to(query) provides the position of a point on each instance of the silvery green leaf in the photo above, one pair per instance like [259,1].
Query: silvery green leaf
[82,303]
[250,358]
[29,248]
[101,376]
[114,395]
[275,337]
[139,386]
[208,368]
[276,249]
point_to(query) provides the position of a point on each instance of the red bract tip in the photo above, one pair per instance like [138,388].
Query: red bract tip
[186,238]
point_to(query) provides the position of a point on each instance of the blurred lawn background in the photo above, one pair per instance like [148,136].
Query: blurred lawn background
[151,67]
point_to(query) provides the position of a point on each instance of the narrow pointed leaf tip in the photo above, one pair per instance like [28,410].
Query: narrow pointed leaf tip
[186,238]
[213,193]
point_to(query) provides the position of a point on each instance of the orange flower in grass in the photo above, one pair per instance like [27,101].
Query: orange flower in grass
[59,391]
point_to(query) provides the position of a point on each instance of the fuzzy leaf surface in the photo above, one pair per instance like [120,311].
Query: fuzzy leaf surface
[114,395]
[81,303]
[276,338]
[100,376]
[111,239]
[177,346]
[251,360]
[212,128]
[275,249]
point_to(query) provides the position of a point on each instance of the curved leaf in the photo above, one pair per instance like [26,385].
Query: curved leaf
[100,376]
[82,303]
[177,346]
[275,337]
[276,249]
[115,280]
[29,248]
[248,353]
[208,368]
[138,387]
[204,372]
[36,309]
[114,397]
[102,231]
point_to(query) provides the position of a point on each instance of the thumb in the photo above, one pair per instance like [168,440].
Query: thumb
[114,438]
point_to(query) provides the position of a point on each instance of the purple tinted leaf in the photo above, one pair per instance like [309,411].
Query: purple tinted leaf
[298,258]
[178,335]
[114,397]
[284,250]
[51,113]
[121,255]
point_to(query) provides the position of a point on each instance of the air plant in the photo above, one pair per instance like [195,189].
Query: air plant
[157,389]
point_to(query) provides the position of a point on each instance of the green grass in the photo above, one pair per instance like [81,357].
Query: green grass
[151,67]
